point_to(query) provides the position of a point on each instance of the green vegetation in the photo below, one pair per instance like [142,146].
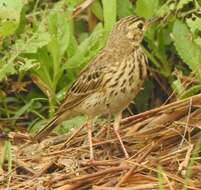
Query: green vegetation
[43,48]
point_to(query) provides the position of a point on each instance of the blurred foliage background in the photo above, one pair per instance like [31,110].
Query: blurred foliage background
[45,43]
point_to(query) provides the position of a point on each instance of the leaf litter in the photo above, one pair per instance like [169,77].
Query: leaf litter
[163,144]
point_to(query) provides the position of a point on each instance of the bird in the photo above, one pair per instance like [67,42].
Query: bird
[109,82]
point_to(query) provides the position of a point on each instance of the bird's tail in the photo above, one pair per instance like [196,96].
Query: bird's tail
[46,129]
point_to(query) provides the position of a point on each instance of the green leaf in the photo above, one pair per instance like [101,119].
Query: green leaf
[88,48]
[161,180]
[27,43]
[198,41]
[28,64]
[36,126]
[73,2]
[166,8]
[182,3]
[60,32]
[73,45]
[146,8]
[192,91]
[124,8]
[194,23]
[109,13]
[9,16]
[97,10]
[186,48]
[192,162]
[44,72]
[71,123]
[6,156]
[6,69]
[31,44]
[23,109]
[178,87]
[59,29]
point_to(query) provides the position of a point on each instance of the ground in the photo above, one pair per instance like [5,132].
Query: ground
[163,144]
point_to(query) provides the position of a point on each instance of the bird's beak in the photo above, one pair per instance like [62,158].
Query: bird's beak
[151,20]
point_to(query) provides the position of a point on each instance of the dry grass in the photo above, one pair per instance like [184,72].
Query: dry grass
[163,144]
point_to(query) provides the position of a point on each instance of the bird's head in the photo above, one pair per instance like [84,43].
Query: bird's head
[129,30]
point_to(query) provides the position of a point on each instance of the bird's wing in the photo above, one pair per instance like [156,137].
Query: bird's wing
[89,81]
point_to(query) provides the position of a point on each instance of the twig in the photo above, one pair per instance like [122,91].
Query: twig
[70,186]
[45,168]
[21,164]
[125,177]
[81,7]
[102,163]
[81,147]
[166,108]
[185,162]
[136,187]
[90,177]
[72,136]
[187,122]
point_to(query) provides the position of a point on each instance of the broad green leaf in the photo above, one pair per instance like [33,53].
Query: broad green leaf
[59,29]
[9,16]
[186,48]
[6,69]
[109,13]
[88,48]
[192,91]
[178,87]
[181,3]
[97,10]
[73,45]
[124,8]
[194,23]
[44,72]
[146,8]
[166,8]
[198,41]
[73,2]
[28,64]
[31,44]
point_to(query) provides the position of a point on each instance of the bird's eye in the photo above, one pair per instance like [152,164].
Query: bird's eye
[140,26]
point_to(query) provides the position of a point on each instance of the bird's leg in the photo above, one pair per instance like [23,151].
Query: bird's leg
[116,130]
[89,129]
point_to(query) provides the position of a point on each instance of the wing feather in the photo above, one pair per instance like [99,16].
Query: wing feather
[89,81]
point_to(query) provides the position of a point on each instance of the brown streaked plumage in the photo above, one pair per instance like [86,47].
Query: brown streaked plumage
[109,82]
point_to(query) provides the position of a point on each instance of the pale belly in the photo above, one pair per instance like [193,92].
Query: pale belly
[106,103]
